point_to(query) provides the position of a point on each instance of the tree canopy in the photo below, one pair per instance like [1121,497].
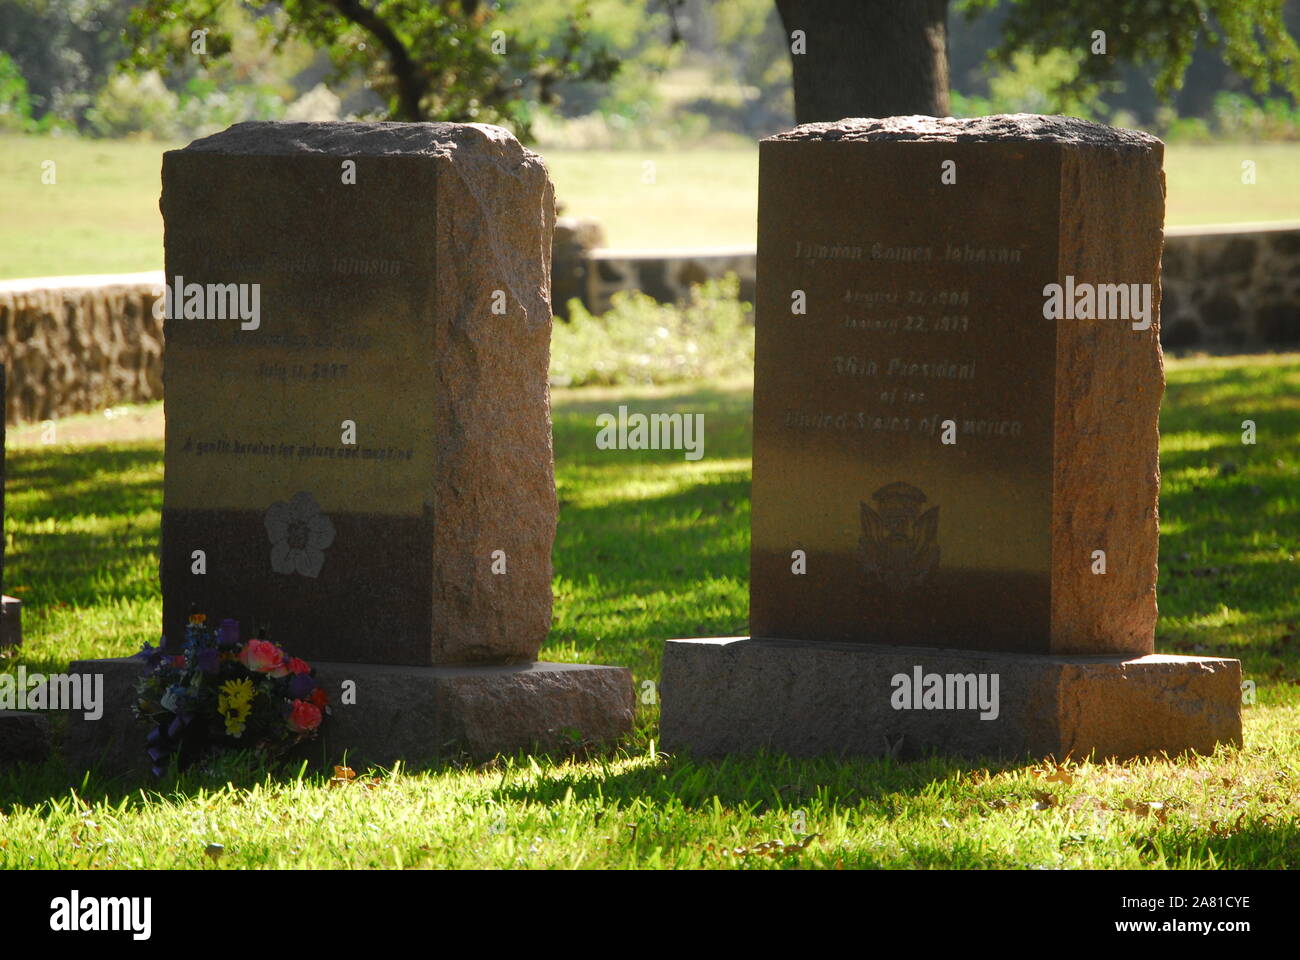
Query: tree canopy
[428,59]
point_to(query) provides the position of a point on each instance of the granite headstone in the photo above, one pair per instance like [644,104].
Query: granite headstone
[947,458]
[358,447]
[365,465]
[956,467]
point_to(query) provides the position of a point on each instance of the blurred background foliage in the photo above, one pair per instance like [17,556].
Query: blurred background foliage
[599,74]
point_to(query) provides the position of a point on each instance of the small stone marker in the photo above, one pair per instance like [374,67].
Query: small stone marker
[25,737]
[11,608]
[956,394]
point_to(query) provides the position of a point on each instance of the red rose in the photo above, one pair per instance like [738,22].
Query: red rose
[178,661]
[319,697]
[299,666]
[262,656]
[304,717]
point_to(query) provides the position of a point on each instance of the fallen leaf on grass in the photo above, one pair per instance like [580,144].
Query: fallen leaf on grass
[1224,829]
[1044,800]
[346,775]
[1053,773]
[1154,808]
[768,848]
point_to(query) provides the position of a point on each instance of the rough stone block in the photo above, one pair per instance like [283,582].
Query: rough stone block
[737,695]
[414,714]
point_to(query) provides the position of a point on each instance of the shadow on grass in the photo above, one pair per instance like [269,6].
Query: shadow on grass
[84,524]
[81,481]
[757,782]
[50,782]
[1272,842]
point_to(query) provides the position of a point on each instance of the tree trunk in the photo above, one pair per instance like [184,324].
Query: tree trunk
[868,58]
[411,83]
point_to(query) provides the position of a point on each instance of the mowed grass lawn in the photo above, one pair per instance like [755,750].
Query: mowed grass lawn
[101,215]
[652,547]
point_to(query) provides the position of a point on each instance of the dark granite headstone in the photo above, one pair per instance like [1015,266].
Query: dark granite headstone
[403,272]
[366,465]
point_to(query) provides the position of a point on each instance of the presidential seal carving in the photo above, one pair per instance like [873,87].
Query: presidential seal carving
[898,542]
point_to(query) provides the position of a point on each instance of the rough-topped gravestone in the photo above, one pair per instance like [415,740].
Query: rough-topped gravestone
[358,432]
[923,289]
[957,386]
[358,449]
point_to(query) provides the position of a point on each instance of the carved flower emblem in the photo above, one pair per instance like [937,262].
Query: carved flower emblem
[299,534]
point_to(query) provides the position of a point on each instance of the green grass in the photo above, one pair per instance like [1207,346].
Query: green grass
[99,216]
[652,547]
[102,214]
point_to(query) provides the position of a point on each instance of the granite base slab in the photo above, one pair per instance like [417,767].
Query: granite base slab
[736,695]
[413,714]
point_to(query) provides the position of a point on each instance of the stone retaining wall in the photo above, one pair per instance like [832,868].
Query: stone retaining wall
[1225,288]
[1235,287]
[80,344]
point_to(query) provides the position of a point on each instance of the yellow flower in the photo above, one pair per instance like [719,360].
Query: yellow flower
[236,693]
[235,703]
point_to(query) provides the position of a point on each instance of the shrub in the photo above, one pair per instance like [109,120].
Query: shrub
[15,103]
[642,341]
[139,104]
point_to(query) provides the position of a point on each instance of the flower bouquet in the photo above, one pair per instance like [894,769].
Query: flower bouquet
[220,692]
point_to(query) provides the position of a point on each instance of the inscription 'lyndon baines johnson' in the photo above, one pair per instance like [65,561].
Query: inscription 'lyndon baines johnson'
[949,252]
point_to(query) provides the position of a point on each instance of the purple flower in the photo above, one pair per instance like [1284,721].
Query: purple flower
[150,654]
[209,662]
[301,685]
[228,635]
